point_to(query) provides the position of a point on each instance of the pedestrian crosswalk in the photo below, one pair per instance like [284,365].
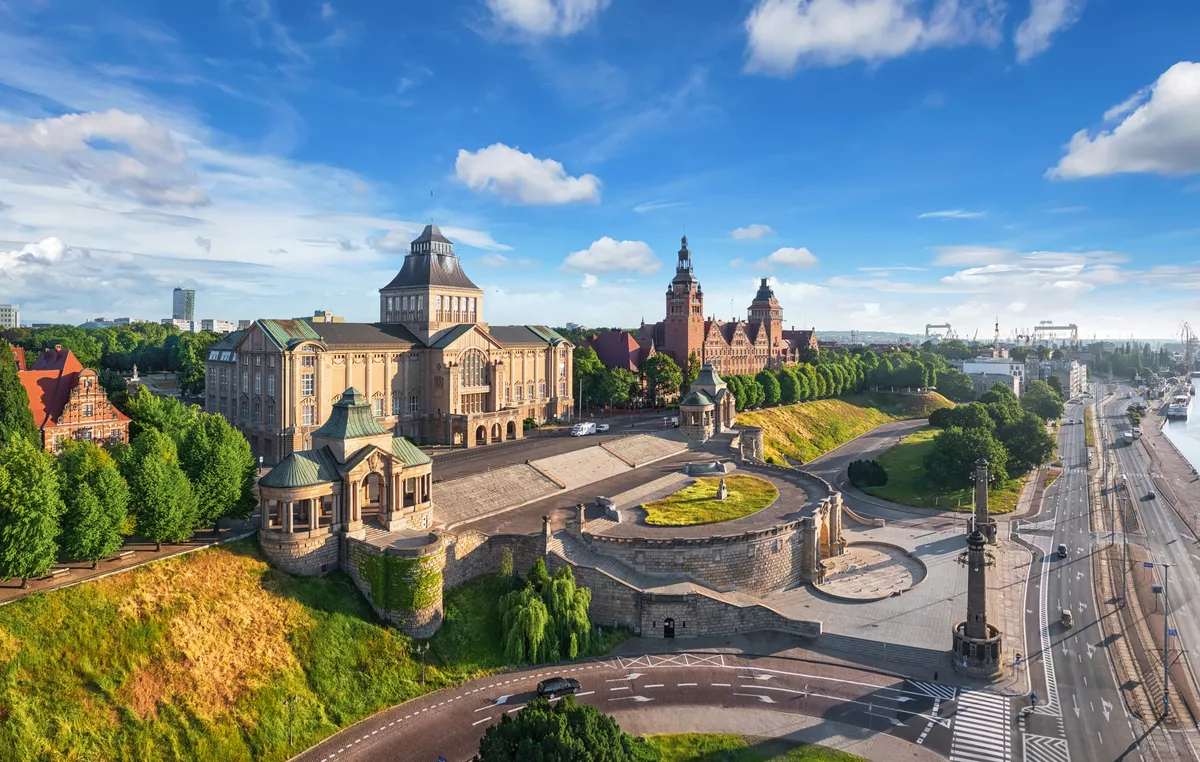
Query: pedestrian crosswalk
[981,730]
[1045,749]
[933,690]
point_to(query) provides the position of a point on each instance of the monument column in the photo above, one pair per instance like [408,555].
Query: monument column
[977,643]
[983,523]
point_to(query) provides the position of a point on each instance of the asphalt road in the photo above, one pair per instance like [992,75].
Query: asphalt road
[1078,697]
[1168,538]
[450,723]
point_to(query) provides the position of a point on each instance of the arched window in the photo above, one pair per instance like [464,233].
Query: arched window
[531,391]
[474,368]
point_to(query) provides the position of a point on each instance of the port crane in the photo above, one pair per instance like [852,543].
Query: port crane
[1188,342]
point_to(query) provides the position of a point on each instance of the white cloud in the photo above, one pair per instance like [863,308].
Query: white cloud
[736,262]
[546,18]
[789,257]
[751,232]
[783,34]
[124,154]
[327,10]
[1046,19]
[1160,133]
[951,214]
[653,206]
[204,243]
[399,238]
[523,178]
[493,260]
[608,255]
[963,256]
[589,281]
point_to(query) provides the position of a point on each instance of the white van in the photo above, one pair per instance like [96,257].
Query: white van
[583,429]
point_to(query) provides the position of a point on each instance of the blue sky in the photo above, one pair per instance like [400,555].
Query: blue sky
[889,163]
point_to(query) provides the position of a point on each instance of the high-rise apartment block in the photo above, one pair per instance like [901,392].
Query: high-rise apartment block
[10,316]
[183,304]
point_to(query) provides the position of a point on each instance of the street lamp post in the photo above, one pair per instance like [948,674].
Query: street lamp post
[421,648]
[1166,633]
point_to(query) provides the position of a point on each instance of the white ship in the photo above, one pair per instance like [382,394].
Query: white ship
[1178,409]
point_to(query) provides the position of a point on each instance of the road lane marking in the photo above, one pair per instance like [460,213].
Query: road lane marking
[622,688]
[656,685]
[485,719]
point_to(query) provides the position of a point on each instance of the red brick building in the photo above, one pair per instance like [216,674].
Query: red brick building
[68,402]
[735,347]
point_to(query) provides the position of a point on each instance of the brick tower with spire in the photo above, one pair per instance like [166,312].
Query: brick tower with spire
[684,322]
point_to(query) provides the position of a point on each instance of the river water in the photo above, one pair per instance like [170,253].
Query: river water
[1186,434]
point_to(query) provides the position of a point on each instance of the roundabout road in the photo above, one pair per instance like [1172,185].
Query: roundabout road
[919,717]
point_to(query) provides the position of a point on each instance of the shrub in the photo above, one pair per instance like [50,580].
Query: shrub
[867,473]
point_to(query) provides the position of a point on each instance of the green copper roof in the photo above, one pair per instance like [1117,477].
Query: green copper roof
[549,334]
[303,468]
[450,335]
[288,332]
[350,418]
[697,399]
[408,452]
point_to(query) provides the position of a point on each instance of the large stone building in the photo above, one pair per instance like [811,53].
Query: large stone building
[67,401]
[431,369]
[736,347]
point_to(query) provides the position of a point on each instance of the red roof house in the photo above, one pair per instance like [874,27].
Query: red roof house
[67,401]
[18,356]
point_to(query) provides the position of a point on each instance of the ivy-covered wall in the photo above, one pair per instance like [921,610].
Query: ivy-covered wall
[399,584]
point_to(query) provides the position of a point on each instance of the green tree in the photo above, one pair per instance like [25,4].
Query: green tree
[565,731]
[586,369]
[1055,383]
[1042,401]
[955,385]
[789,386]
[1027,442]
[950,461]
[693,368]
[15,417]
[30,506]
[618,386]
[218,462]
[567,605]
[166,414]
[662,376]
[538,576]
[963,417]
[96,501]
[770,385]
[160,493]
[526,624]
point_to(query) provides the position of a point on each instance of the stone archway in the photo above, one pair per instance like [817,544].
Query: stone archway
[512,430]
[372,498]
[496,433]
[481,435]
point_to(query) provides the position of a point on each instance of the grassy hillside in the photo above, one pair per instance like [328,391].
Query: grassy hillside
[199,657]
[809,429]
[907,486]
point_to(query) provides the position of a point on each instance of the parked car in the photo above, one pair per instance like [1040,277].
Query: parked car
[556,686]
[601,427]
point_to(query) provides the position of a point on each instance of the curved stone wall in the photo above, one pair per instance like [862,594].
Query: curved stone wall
[403,585]
[304,553]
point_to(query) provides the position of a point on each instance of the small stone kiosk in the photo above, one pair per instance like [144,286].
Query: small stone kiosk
[355,475]
[977,642]
[708,408]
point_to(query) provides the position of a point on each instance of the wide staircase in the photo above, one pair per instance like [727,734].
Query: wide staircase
[488,492]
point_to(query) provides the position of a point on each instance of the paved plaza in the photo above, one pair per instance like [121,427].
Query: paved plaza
[871,572]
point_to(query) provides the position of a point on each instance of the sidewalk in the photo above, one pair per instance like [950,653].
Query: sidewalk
[762,723]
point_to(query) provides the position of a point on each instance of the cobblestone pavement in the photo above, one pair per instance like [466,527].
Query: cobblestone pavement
[869,573]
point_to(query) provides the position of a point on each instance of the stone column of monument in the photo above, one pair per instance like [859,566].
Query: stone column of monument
[983,522]
[977,643]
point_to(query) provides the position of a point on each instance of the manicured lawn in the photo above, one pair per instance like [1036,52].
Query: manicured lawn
[200,656]
[806,430]
[697,503]
[699,747]
[907,486]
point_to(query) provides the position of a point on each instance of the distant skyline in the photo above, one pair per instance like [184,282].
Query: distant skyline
[887,165]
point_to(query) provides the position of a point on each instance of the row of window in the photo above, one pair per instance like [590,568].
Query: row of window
[514,392]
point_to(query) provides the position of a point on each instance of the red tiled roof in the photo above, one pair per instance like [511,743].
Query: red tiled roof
[617,349]
[48,392]
[19,356]
[59,359]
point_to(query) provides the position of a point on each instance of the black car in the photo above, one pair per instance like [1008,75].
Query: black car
[1150,496]
[557,686]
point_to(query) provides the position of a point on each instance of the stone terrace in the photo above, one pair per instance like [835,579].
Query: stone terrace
[643,449]
[581,467]
[478,495]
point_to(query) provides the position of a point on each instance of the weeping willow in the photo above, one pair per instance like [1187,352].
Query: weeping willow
[547,619]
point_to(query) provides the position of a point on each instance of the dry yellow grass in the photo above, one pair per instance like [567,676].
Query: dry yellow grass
[226,631]
[807,430]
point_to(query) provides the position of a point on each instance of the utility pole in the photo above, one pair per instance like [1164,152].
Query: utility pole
[421,649]
[1166,633]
